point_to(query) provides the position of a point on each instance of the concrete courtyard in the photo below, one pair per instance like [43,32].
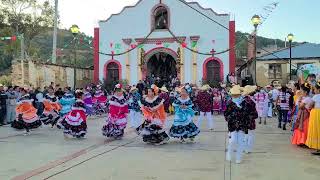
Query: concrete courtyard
[45,154]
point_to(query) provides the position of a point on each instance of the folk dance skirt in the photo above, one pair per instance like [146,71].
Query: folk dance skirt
[50,118]
[114,127]
[300,135]
[75,126]
[20,124]
[152,132]
[185,129]
[26,121]
[313,139]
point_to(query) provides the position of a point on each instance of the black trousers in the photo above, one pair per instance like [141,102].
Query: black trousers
[283,116]
[3,111]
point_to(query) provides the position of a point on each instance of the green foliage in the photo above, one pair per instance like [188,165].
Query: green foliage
[5,80]
[27,17]
[262,42]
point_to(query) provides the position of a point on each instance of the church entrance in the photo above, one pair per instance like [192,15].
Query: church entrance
[161,68]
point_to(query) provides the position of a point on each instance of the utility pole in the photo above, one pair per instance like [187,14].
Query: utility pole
[22,58]
[54,46]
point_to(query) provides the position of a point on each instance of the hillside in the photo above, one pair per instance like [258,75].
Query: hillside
[262,42]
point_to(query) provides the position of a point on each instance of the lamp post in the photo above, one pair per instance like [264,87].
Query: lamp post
[290,38]
[255,20]
[75,31]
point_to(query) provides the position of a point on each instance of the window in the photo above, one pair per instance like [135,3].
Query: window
[160,18]
[275,71]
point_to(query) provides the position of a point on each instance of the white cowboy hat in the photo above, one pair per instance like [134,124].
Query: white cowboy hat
[164,89]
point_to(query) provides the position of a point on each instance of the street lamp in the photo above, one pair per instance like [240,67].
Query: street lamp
[255,20]
[75,31]
[290,38]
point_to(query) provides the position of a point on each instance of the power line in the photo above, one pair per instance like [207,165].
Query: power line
[270,53]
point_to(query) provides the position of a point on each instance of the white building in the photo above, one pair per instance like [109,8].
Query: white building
[172,27]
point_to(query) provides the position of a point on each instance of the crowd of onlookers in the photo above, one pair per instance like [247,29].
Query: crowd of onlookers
[10,95]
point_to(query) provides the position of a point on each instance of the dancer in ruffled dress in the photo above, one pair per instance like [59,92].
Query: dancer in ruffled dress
[88,101]
[66,102]
[152,130]
[261,99]
[183,126]
[313,139]
[134,108]
[99,98]
[27,117]
[74,123]
[300,132]
[51,108]
[117,117]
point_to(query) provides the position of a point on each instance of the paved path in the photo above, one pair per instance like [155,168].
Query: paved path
[45,154]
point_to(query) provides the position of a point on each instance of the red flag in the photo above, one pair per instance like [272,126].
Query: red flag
[13,38]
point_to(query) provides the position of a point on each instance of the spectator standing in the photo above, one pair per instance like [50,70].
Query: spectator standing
[11,105]
[3,104]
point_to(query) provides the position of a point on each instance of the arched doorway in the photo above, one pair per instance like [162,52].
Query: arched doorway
[112,71]
[161,66]
[213,70]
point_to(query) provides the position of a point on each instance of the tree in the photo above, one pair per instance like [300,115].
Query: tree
[27,17]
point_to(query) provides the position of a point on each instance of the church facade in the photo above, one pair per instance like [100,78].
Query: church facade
[164,38]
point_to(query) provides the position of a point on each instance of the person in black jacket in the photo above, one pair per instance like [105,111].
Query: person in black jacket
[3,105]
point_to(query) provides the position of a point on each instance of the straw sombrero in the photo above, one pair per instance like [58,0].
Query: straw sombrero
[236,90]
[205,87]
[248,89]
[164,89]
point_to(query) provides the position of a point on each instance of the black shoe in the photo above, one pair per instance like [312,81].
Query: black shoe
[260,122]
[284,127]
[317,153]
[279,125]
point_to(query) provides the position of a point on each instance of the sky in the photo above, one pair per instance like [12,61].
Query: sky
[300,17]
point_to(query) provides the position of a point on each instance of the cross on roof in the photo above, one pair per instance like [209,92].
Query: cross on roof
[212,52]
[112,54]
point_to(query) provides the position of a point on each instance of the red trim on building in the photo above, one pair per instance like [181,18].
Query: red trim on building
[153,51]
[204,67]
[96,55]
[160,40]
[105,71]
[232,43]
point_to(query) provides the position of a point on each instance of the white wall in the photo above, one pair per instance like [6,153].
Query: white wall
[184,21]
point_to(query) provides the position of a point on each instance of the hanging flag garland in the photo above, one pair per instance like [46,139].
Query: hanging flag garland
[193,44]
[166,45]
[184,44]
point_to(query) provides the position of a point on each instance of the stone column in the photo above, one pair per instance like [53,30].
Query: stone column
[194,41]
[182,64]
[128,43]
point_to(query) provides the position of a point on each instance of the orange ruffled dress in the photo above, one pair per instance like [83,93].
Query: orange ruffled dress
[152,130]
[301,126]
[26,114]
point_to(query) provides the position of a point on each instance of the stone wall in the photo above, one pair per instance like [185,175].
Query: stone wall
[29,73]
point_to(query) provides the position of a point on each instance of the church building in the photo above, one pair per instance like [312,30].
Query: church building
[165,39]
